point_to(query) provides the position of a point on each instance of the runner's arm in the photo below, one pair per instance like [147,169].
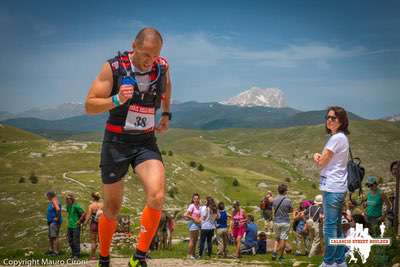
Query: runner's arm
[166,103]
[98,99]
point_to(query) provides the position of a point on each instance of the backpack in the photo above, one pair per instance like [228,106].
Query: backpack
[355,174]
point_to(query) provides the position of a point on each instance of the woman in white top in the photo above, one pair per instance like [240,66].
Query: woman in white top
[333,182]
[209,214]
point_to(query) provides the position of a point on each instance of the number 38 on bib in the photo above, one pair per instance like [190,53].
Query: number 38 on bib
[140,118]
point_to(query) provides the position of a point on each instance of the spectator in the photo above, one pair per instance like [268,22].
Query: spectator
[261,243]
[282,206]
[375,200]
[222,229]
[54,220]
[76,215]
[249,245]
[333,182]
[94,210]
[209,214]
[266,211]
[238,226]
[299,223]
[193,215]
[314,217]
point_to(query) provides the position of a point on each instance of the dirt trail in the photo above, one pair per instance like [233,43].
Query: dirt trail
[117,262]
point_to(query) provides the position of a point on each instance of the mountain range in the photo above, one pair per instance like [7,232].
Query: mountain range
[188,115]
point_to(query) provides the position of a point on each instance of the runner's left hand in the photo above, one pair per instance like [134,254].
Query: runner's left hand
[163,125]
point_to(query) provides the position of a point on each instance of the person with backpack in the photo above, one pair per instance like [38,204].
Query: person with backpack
[76,216]
[282,207]
[132,86]
[209,214]
[266,211]
[314,215]
[333,182]
[375,200]
[94,210]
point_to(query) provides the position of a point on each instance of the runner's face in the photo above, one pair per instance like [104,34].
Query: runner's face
[145,54]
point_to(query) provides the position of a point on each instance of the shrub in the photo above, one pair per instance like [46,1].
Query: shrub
[235,182]
[193,164]
[22,180]
[170,153]
[287,180]
[33,178]
[200,167]
[163,152]
[314,186]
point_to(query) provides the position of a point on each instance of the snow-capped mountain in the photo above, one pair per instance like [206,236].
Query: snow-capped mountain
[255,96]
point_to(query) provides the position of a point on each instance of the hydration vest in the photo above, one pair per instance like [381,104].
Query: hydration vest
[150,100]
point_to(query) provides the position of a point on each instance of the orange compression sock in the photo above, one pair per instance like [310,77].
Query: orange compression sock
[107,228]
[148,227]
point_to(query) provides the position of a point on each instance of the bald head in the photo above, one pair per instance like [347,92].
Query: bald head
[149,35]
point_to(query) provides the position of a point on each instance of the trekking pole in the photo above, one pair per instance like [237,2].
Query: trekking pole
[395,170]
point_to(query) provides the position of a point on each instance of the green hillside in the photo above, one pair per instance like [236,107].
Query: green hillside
[259,159]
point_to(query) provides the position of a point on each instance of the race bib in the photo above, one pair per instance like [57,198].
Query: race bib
[140,118]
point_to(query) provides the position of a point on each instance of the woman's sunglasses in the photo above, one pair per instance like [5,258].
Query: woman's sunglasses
[332,118]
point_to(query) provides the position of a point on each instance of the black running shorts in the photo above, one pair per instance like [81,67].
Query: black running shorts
[121,150]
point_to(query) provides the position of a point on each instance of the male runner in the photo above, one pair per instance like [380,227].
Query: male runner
[132,86]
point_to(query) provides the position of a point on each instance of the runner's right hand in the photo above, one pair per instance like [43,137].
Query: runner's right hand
[125,93]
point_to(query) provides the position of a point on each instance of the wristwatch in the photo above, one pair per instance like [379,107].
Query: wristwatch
[169,114]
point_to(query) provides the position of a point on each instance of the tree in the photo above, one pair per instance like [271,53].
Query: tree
[287,180]
[235,182]
[170,153]
[22,179]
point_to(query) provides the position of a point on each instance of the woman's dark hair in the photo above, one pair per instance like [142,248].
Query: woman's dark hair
[211,204]
[221,206]
[341,115]
[195,194]
[96,196]
[282,189]
[250,217]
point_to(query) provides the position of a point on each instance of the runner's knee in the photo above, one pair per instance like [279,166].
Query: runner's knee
[156,200]
[111,211]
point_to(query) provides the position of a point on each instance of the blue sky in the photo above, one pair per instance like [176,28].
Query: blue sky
[319,53]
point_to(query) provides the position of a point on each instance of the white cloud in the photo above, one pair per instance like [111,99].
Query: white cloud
[203,50]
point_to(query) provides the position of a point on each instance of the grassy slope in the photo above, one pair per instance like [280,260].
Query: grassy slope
[269,156]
